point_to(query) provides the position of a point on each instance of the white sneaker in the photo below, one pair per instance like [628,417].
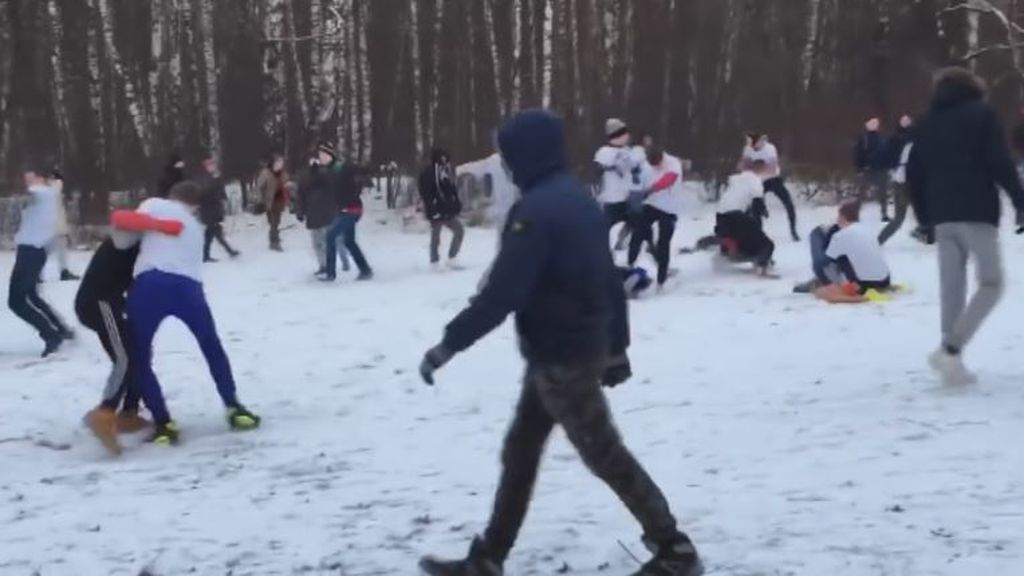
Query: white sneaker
[436,267]
[454,264]
[951,368]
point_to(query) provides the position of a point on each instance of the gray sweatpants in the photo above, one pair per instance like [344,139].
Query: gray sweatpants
[319,237]
[958,242]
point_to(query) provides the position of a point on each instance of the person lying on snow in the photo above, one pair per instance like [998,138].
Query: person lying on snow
[847,259]
[740,213]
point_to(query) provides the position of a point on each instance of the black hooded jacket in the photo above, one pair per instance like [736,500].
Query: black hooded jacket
[169,177]
[960,158]
[555,270]
[438,189]
[108,277]
[869,153]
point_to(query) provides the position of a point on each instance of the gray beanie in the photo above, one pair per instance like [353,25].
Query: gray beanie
[613,128]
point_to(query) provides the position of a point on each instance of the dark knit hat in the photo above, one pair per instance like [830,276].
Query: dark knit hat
[327,148]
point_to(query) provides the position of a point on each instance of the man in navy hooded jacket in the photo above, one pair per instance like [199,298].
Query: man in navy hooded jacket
[556,274]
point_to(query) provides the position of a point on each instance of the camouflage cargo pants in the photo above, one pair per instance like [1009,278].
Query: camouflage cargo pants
[570,396]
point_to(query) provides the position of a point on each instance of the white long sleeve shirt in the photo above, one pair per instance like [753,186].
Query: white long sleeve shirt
[40,217]
[182,254]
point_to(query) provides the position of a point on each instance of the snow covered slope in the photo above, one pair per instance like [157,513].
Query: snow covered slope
[793,438]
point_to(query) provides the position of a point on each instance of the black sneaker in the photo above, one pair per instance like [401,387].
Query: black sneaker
[209,260]
[677,559]
[68,276]
[807,287]
[51,345]
[476,564]
[364,276]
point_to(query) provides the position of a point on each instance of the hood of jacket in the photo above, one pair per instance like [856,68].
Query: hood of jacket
[956,86]
[532,144]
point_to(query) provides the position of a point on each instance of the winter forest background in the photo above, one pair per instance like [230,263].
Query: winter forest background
[109,87]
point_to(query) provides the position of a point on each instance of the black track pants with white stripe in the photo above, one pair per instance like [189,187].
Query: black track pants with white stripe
[107,319]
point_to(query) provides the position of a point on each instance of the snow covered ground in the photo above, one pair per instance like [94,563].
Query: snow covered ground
[793,438]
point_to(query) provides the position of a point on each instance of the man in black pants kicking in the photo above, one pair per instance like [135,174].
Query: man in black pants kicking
[760,149]
[556,273]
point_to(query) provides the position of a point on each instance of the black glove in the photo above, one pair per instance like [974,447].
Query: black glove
[616,371]
[433,360]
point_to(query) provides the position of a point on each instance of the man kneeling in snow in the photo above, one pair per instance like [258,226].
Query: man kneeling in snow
[740,212]
[847,259]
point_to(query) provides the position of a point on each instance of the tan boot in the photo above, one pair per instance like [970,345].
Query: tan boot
[129,422]
[103,423]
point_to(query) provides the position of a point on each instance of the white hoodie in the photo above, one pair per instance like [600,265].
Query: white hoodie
[617,165]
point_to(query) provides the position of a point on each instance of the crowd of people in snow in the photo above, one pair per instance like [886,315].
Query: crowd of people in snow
[555,271]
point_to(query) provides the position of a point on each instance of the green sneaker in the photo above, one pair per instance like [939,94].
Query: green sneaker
[239,418]
[166,434]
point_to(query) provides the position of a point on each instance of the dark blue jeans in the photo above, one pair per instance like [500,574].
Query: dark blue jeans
[825,269]
[23,297]
[154,297]
[345,227]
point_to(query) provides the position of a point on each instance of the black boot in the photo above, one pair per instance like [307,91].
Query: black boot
[679,558]
[478,563]
[68,276]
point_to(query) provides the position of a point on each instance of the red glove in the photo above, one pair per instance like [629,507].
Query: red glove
[131,221]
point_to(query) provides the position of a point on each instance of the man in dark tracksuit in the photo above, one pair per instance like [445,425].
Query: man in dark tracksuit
[213,210]
[441,205]
[872,164]
[100,307]
[556,273]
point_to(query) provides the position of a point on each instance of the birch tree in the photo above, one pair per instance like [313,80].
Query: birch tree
[210,77]
[135,111]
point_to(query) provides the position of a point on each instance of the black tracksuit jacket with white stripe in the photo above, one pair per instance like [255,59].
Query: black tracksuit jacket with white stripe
[107,279]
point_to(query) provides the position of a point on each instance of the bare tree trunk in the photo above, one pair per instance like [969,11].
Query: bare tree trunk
[417,77]
[811,44]
[492,42]
[95,91]
[273,69]
[365,84]
[293,56]
[137,116]
[6,79]
[57,66]
[548,53]
[627,54]
[435,66]
[210,72]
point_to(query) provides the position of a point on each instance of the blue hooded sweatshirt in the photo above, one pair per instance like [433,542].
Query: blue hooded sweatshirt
[555,271]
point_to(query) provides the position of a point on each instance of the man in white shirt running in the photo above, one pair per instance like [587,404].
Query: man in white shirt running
[759,148]
[168,282]
[39,222]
